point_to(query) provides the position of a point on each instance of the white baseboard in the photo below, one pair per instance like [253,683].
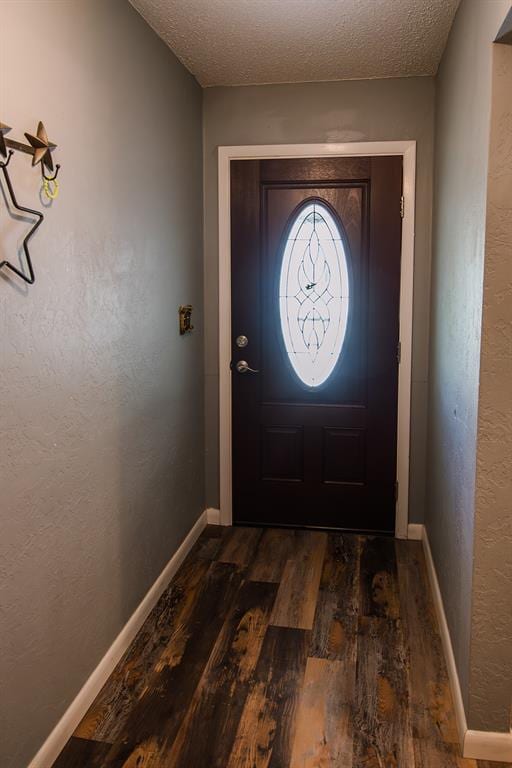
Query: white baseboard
[460,714]
[213,516]
[486,745]
[479,745]
[64,729]
[415,531]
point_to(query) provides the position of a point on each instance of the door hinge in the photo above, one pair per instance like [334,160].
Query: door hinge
[396,491]
[399,352]
[402,206]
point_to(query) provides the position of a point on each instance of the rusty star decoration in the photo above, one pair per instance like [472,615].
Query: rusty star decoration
[43,147]
[3,130]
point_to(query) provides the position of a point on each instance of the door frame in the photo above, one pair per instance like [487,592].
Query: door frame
[407,149]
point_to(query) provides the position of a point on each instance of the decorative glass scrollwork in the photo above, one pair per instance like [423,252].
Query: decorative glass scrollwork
[314,293]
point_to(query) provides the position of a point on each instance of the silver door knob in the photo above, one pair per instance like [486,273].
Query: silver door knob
[243,367]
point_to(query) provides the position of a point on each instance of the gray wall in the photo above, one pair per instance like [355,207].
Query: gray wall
[462,142]
[364,110]
[490,690]
[101,455]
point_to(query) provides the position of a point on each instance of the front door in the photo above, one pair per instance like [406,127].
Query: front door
[315,321]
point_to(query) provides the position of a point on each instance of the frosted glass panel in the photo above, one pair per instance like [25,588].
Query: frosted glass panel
[314,294]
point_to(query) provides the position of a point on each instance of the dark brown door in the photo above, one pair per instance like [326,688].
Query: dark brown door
[315,305]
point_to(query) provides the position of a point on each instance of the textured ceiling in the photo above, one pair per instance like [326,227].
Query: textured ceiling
[239,42]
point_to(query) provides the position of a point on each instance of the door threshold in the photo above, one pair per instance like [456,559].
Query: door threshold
[328,529]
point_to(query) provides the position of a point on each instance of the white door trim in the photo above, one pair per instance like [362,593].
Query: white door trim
[357,149]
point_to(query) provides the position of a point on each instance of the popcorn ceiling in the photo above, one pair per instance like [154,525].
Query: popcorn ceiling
[242,42]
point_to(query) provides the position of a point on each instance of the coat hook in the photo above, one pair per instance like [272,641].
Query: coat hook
[51,193]
[31,277]
[50,178]
[5,163]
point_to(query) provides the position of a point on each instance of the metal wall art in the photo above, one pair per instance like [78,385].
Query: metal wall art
[41,148]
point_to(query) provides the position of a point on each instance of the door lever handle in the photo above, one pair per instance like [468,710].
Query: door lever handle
[243,367]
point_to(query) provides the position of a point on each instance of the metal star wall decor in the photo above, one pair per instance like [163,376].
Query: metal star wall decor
[30,278]
[42,147]
[3,130]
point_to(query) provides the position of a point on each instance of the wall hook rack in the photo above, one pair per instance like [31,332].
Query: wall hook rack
[41,148]
[31,277]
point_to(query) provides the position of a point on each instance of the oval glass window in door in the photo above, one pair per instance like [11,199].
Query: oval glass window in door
[314,293]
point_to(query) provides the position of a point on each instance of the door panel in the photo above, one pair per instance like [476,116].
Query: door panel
[306,454]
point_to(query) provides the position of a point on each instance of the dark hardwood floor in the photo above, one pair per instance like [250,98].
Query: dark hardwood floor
[281,649]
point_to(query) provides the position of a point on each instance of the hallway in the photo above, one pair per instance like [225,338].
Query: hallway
[256,377]
[281,648]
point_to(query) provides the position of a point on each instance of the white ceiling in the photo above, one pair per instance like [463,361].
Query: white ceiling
[241,42]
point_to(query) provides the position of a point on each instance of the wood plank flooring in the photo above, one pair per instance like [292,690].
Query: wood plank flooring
[281,649]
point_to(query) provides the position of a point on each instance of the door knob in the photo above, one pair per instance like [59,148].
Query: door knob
[243,367]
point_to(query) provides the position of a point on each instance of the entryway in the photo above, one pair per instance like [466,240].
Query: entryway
[318,337]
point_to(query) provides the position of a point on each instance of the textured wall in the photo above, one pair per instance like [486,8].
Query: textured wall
[462,141]
[101,420]
[490,693]
[317,112]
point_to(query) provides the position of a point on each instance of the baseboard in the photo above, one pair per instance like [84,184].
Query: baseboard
[58,738]
[213,516]
[486,745]
[479,745]
[415,531]
[460,714]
